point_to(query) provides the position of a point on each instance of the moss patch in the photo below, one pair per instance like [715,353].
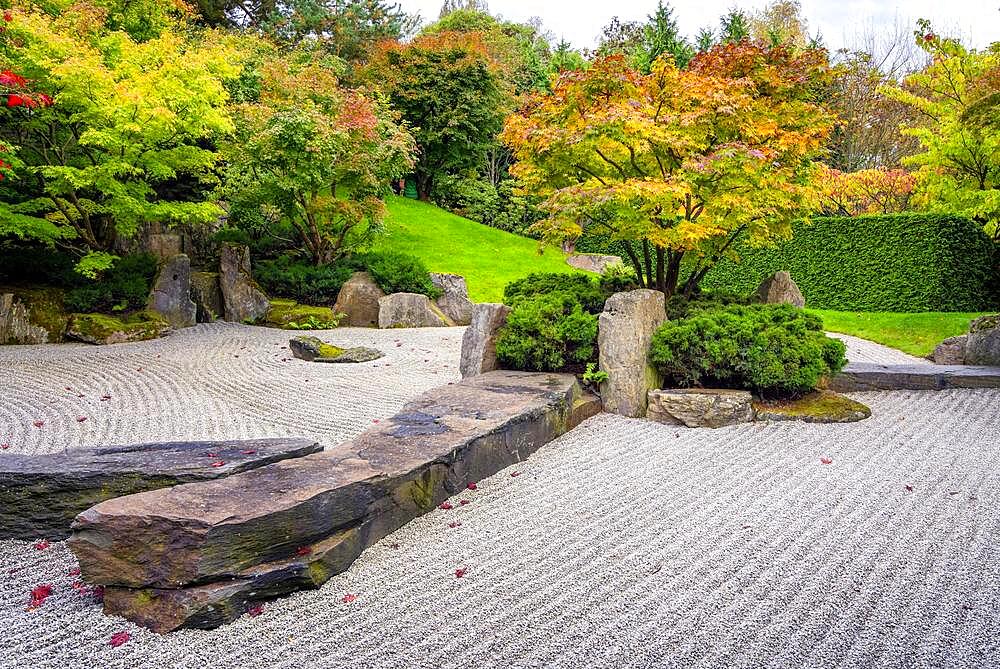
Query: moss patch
[822,406]
[104,329]
[290,315]
[45,308]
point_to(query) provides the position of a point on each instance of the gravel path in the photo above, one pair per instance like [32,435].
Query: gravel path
[863,350]
[624,543]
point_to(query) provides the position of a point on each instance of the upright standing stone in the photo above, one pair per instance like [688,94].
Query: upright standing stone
[780,289]
[455,302]
[207,295]
[410,310]
[358,301]
[165,245]
[243,300]
[983,344]
[625,329]
[171,295]
[479,343]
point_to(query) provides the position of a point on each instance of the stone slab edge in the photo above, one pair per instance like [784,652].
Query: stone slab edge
[859,377]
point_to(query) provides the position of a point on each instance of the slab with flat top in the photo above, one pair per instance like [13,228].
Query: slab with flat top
[857,377]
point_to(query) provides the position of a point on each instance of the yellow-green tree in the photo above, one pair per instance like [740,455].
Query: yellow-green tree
[676,163]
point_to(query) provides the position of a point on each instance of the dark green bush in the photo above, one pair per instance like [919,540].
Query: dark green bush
[682,306]
[24,262]
[772,350]
[581,286]
[125,287]
[301,280]
[618,278]
[547,333]
[496,206]
[397,272]
[904,262]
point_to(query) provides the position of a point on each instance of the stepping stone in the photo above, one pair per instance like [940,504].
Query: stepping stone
[198,555]
[41,495]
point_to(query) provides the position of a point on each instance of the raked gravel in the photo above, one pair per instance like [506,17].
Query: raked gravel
[623,543]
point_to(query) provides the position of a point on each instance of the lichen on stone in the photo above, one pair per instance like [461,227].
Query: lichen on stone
[822,406]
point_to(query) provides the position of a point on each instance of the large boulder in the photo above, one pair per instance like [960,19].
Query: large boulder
[625,329]
[171,294]
[290,315]
[951,351]
[243,300]
[479,343]
[410,310]
[455,302]
[983,345]
[165,245]
[103,329]
[700,407]
[207,295]
[780,289]
[592,262]
[15,323]
[358,301]
[41,494]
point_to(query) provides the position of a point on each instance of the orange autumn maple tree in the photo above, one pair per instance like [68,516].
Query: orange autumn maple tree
[677,164]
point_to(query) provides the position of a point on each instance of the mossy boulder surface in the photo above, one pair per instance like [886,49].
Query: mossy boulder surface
[104,329]
[290,315]
[822,406]
[45,308]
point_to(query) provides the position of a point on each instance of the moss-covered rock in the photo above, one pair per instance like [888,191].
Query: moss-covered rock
[104,329]
[44,306]
[290,315]
[822,406]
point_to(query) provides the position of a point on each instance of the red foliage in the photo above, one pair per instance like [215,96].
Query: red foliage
[39,594]
[119,638]
[80,419]
[826,461]
[446,506]
[460,572]
[8,78]
[514,475]
[41,545]
[73,572]
[218,463]
[38,423]
[463,502]
[348,598]
[472,486]
[303,551]
[255,610]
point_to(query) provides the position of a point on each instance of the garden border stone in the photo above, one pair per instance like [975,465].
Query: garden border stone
[858,377]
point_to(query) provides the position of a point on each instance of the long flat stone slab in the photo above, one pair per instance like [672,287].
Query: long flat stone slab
[197,555]
[41,495]
[859,376]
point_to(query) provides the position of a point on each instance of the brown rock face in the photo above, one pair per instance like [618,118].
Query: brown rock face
[780,289]
[700,407]
[625,329]
[479,343]
[358,299]
[207,295]
[171,294]
[165,245]
[197,554]
[410,310]
[40,495]
[951,351]
[243,300]
[983,344]
[455,302]
[15,323]
[592,262]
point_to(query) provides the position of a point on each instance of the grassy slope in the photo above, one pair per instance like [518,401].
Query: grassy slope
[916,334]
[488,258]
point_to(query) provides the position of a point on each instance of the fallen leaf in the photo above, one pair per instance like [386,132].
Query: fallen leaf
[249,451]
[80,419]
[952,492]
[211,455]
[826,461]
[39,594]
[105,398]
[4,447]
[745,527]
[41,544]
[455,523]
[218,463]
[460,572]
[255,610]
[514,475]
[472,486]
[348,598]
[73,572]
[38,423]
[446,506]
[304,550]
[98,593]
[138,369]
[908,488]
[463,502]
[657,567]
[119,638]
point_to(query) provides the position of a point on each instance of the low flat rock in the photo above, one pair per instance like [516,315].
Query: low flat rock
[196,555]
[858,377]
[700,407]
[40,495]
[822,406]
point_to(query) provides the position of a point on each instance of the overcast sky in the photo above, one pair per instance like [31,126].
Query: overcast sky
[580,21]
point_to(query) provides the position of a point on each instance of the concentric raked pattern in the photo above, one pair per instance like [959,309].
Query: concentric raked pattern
[623,543]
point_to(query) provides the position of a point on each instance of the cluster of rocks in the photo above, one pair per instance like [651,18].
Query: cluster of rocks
[363,304]
[979,346]
[710,407]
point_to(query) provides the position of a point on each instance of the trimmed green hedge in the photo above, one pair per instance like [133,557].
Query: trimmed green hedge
[903,263]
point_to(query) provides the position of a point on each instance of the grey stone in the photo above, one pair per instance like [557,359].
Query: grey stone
[780,289]
[625,329]
[700,407]
[15,323]
[41,494]
[314,349]
[358,300]
[165,245]
[950,352]
[207,295]
[860,377]
[592,262]
[455,302]
[410,310]
[356,354]
[195,555]
[479,343]
[171,294]
[983,344]
[101,329]
[243,300]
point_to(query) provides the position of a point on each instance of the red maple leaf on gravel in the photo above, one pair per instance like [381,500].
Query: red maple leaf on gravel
[249,451]
[255,610]
[42,544]
[4,447]
[348,598]
[514,475]
[105,398]
[39,594]
[908,488]
[446,506]
[463,502]
[97,593]
[38,423]
[460,572]
[826,461]
[472,486]
[119,639]
[80,419]
[303,551]
[73,572]
[218,463]
[454,524]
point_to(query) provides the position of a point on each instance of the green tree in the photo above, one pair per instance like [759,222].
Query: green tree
[959,167]
[565,58]
[452,93]
[317,157]
[661,36]
[129,137]
[734,26]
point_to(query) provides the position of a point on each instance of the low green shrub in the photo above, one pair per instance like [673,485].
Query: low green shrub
[581,286]
[396,272]
[124,287]
[772,350]
[547,333]
[682,306]
[302,281]
[618,278]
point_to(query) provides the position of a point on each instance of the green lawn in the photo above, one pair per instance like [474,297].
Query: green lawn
[916,334]
[488,258]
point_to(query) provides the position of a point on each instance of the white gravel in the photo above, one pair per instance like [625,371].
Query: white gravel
[624,543]
[863,350]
